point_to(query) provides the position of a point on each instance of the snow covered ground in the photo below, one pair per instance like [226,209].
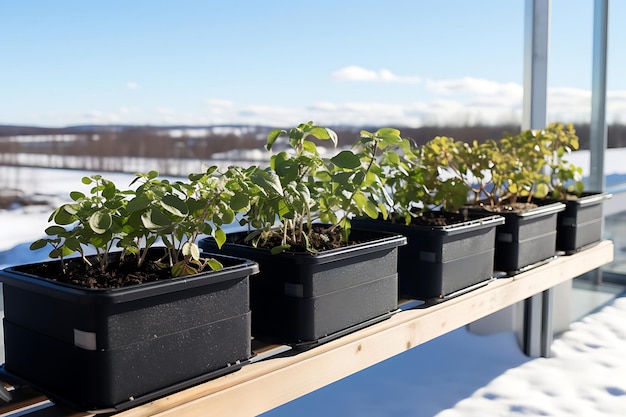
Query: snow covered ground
[460,374]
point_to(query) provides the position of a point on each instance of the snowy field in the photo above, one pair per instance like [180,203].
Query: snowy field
[457,375]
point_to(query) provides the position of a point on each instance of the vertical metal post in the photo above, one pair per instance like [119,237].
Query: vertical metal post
[532,328]
[536,35]
[598,129]
[536,31]
[547,317]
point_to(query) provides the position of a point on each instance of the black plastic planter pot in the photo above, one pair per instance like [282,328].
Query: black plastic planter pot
[440,261]
[96,349]
[526,239]
[302,298]
[580,224]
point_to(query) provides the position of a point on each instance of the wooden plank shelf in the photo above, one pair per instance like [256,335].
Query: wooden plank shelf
[278,379]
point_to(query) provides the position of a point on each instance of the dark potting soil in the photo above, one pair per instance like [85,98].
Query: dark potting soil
[118,274]
[508,207]
[321,238]
[438,218]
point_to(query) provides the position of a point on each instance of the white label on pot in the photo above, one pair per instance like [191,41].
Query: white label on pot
[85,340]
[505,237]
[428,256]
[294,290]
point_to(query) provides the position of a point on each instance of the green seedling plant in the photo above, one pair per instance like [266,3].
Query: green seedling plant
[301,188]
[565,178]
[451,170]
[352,183]
[512,170]
[399,193]
[501,172]
[173,213]
[176,213]
[92,220]
[281,203]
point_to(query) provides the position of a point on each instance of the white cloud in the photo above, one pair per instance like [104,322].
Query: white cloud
[100,117]
[459,101]
[165,111]
[574,104]
[356,73]
[471,85]
[131,85]
[216,102]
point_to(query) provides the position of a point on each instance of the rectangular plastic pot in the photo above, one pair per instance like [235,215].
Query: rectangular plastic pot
[96,349]
[439,261]
[526,239]
[300,298]
[580,224]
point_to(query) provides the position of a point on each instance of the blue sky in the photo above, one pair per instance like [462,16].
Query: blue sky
[281,62]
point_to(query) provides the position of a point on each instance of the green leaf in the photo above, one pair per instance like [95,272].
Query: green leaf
[55,230]
[272,137]
[71,208]
[220,237]
[383,210]
[393,158]
[109,190]
[100,222]
[388,131]
[304,193]
[227,216]
[279,249]
[319,132]
[73,244]
[267,181]
[183,269]
[333,136]
[155,220]
[38,244]
[346,159]
[174,205]
[239,201]
[371,209]
[138,203]
[86,180]
[214,264]
[191,249]
[310,147]
[77,195]
[61,216]
[542,190]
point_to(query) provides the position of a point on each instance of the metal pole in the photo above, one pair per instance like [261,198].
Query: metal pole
[536,30]
[547,322]
[598,129]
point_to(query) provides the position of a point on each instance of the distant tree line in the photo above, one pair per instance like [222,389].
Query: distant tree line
[156,142]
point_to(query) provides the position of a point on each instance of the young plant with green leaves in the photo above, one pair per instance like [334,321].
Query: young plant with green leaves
[301,187]
[135,220]
[399,192]
[565,178]
[95,219]
[452,169]
[511,170]
[352,183]
[281,209]
[177,213]
[500,172]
